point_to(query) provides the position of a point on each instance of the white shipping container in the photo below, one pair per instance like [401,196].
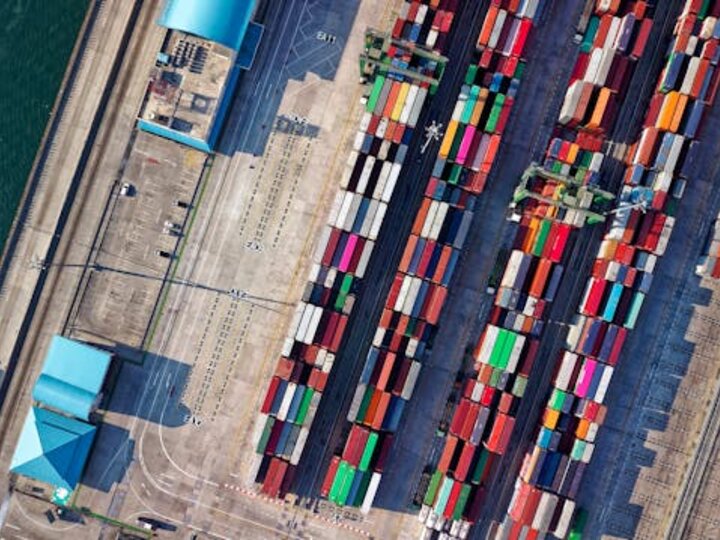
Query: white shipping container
[330,278]
[411,348]
[612,271]
[457,111]
[322,244]
[519,322]
[592,432]
[690,74]
[411,297]
[421,12]
[570,104]
[511,269]
[299,446]
[606,61]
[544,512]
[563,524]
[358,141]
[431,38]
[488,343]
[566,370]
[364,258]
[662,181]
[369,218]
[312,409]
[365,175]
[512,37]
[587,453]
[381,128]
[313,326]
[378,337]
[708,25]
[402,295]
[391,181]
[438,221]
[574,332]
[427,224]
[287,346]
[352,213]
[328,364]
[515,354]
[370,493]
[409,101]
[382,180]
[674,155]
[302,327]
[348,169]
[528,9]
[612,34]
[604,384]
[497,29]
[477,391]
[591,70]
[417,107]
[356,402]
[321,358]
[596,161]
[344,209]
[410,381]
[377,222]
[286,401]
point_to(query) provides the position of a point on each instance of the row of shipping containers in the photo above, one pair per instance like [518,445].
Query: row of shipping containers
[620,279]
[481,423]
[420,288]
[347,241]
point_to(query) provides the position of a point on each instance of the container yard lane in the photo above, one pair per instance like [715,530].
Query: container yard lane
[329,421]
[530,125]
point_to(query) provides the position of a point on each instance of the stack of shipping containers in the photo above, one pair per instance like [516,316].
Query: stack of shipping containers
[414,303]
[481,423]
[347,241]
[620,280]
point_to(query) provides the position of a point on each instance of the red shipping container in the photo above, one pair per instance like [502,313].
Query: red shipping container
[452,500]
[470,419]
[339,332]
[270,395]
[463,466]
[617,346]
[330,476]
[642,38]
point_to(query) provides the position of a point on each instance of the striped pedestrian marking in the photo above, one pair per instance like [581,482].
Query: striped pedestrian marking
[279,502]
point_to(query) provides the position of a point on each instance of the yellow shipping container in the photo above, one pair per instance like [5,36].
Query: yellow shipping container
[667,111]
[572,153]
[550,418]
[530,237]
[448,139]
[400,102]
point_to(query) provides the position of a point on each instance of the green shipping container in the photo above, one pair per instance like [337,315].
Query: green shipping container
[368,452]
[495,377]
[578,449]
[457,140]
[432,489]
[519,70]
[364,483]
[338,482]
[498,348]
[470,74]
[557,398]
[541,237]
[635,305]
[455,174]
[461,502]
[343,292]
[491,124]
[469,105]
[444,495]
[592,29]
[262,443]
[304,405]
[507,349]
[519,386]
[375,93]
[364,404]
[480,466]
[704,9]
[347,484]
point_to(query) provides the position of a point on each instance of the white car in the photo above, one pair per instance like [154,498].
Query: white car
[126,189]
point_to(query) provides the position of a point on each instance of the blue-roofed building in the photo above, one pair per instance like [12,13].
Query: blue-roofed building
[52,448]
[72,377]
[195,74]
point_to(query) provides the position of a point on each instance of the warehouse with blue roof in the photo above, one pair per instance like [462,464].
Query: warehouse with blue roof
[56,438]
[192,84]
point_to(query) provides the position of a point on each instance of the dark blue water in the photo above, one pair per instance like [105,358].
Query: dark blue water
[36,39]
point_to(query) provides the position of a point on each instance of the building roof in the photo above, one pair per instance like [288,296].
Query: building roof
[52,448]
[72,376]
[222,21]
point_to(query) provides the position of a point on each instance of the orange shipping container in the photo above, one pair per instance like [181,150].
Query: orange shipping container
[541,275]
[600,107]
[421,216]
[487,26]
[442,264]
[408,253]
[699,78]
[602,32]
[679,111]
[448,451]
[479,106]
[372,407]
[388,364]
[390,103]
[381,410]
[667,110]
